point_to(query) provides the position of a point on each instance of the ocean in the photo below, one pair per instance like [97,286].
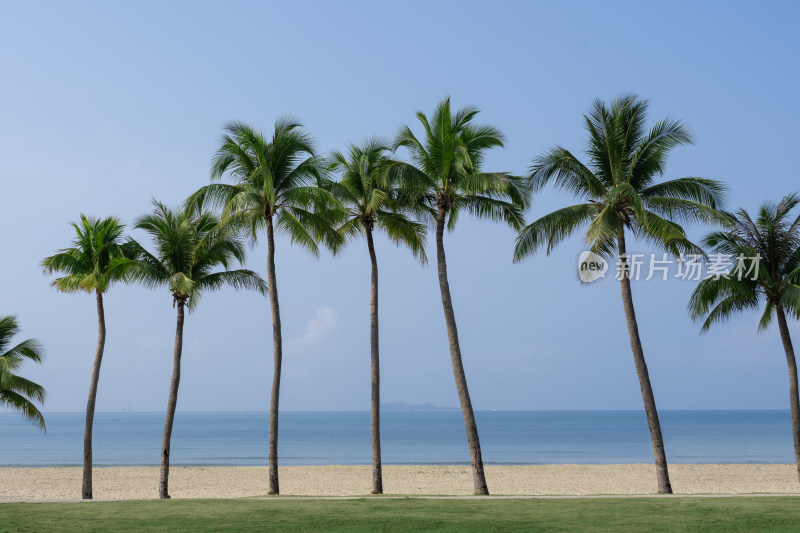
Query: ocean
[418,437]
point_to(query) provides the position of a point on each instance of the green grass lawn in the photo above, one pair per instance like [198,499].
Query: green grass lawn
[381,514]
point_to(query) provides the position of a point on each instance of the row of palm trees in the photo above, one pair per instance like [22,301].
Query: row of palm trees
[192,255]
[279,184]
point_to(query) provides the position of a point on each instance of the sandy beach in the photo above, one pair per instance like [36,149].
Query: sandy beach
[120,483]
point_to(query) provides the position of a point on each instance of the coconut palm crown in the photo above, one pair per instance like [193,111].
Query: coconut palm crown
[274,185]
[619,185]
[87,264]
[445,176]
[369,197]
[190,251]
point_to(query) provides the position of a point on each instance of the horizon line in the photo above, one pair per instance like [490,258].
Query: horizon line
[440,410]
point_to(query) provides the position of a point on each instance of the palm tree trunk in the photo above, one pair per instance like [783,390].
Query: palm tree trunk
[87,429]
[375,414]
[793,393]
[163,487]
[478,477]
[277,346]
[662,473]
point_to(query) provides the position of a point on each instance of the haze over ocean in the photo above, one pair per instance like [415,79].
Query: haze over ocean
[420,437]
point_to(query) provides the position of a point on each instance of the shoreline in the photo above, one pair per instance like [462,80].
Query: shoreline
[127,483]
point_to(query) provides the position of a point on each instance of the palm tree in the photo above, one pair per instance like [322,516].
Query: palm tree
[444,179]
[368,195]
[17,392]
[188,253]
[619,190]
[766,271]
[86,266]
[274,189]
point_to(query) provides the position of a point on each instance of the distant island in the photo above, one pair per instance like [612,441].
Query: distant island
[402,406]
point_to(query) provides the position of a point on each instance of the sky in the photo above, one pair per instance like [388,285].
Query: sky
[107,105]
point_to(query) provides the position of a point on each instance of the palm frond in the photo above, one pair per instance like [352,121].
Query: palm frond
[493,209]
[242,279]
[603,232]
[551,229]
[726,309]
[298,233]
[649,158]
[404,232]
[24,406]
[663,233]
[709,193]
[27,350]
[445,170]
[564,170]
[17,392]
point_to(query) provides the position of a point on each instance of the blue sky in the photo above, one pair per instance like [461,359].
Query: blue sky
[105,105]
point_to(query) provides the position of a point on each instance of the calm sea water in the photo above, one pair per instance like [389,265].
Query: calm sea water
[319,438]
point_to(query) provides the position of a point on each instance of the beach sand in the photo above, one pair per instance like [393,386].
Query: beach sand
[120,483]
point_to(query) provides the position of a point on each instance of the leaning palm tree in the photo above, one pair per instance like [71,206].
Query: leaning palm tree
[444,179]
[620,192]
[765,270]
[368,196]
[189,251]
[274,189]
[17,392]
[86,266]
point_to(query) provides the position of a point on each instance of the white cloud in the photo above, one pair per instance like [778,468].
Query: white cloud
[317,331]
